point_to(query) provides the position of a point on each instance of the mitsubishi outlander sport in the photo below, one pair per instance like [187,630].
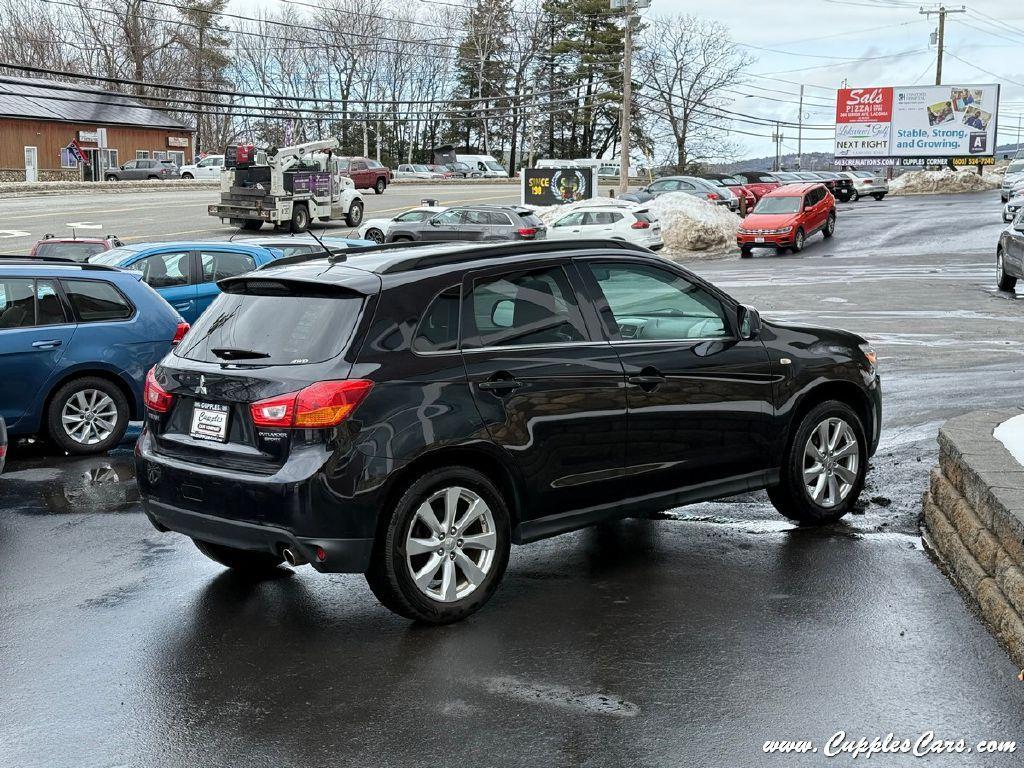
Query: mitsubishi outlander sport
[410,412]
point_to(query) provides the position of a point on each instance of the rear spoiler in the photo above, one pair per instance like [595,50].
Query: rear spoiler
[355,283]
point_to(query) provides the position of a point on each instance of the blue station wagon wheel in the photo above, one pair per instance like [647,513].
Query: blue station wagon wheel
[88,415]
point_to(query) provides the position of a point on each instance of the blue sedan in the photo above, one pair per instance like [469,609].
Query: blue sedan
[186,273]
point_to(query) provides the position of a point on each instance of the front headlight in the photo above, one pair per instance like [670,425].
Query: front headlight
[870,355]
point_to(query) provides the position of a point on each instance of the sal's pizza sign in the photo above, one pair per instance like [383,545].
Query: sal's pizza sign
[864,105]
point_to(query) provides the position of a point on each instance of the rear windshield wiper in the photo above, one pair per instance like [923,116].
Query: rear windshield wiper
[228,353]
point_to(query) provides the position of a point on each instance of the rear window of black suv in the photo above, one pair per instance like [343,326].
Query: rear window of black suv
[274,322]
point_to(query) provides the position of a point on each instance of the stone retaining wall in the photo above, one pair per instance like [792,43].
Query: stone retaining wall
[974,521]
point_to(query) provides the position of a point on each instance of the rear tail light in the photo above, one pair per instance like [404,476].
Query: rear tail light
[712,196]
[324,404]
[640,225]
[179,333]
[157,398]
[528,232]
[3,451]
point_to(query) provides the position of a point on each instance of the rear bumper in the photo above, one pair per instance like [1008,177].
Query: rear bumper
[297,507]
[343,555]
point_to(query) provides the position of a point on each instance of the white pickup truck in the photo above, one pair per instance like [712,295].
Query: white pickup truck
[288,189]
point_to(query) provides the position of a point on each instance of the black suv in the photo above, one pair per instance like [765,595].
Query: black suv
[474,223]
[412,411]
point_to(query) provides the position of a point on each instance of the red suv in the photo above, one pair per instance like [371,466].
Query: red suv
[786,217]
[758,182]
[366,173]
[73,248]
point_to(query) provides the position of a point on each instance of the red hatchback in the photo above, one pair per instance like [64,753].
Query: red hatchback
[786,217]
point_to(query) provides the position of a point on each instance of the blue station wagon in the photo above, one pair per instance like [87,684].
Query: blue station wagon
[76,343]
[186,273]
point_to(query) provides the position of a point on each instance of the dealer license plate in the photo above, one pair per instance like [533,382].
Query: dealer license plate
[210,422]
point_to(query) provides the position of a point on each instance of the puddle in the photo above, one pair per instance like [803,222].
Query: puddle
[88,485]
[562,697]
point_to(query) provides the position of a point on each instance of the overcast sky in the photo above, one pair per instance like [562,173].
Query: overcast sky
[805,33]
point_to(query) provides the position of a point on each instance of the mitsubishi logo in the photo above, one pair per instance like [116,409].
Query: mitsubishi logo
[201,389]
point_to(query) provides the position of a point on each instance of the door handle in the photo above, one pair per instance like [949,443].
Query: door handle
[648,379]
[500,384]
[182,304]
[51,344]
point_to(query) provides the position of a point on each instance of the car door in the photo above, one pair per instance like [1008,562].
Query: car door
[128,170]
[35,332]
[566,228]
[360,173]
[1014,240]
[475,226]
[548,392]
[446,225]
[170,274]
[699,397]
[214,265]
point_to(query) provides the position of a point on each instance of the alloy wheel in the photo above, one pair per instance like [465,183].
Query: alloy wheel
[999,268]
[89,416]
[450,544]
[830,463]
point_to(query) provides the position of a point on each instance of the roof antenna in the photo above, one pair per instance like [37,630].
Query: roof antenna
[332,258]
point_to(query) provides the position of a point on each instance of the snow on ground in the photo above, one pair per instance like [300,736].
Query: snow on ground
[942,182]
[689,226]
[1011,434]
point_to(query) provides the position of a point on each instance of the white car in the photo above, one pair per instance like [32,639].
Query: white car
[867,183]
[1013,178]
[411,171]
[207,168]
[377,229]
[1014,204]
[635,225]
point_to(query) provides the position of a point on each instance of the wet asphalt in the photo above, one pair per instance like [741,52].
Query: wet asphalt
[684,641]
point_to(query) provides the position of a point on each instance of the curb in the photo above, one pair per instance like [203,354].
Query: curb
[974,520]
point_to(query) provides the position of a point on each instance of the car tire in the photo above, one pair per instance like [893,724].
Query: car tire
[843,430]
[87,415]
[746,253]
[300,218]
[244,561]
[830,226]
[379,187]
[152,178]
[798,241]
[433,597]
[855,196]
[187,176]
[374,234]
[1004,281]
[401,239]
[252,225]
[354,217]
[110,177]
[878,196]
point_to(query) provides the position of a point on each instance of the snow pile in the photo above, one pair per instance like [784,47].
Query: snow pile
[691,224]
[942,182]
[1011,434]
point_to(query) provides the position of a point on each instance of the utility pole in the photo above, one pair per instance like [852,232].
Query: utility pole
[800,133]
[627,99]
[777,138]
[941,11]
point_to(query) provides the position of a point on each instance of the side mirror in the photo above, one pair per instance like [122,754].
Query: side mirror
[749,322]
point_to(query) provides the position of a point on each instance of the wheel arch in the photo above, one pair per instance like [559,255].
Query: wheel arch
[487,461]
[845,392]
[134,404]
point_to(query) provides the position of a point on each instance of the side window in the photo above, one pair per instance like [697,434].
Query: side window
[497,219]
[572,220]
[17,303]
[652,304]
[411,216]
[96,300]
[220,264]
[603,218]
[661,186]
[537,307]
[438,330]
[476,217]
[358,165]
[49,310]
[449,218]
[164,270]
[130,165]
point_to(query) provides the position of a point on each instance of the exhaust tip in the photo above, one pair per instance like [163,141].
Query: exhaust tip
[292,557]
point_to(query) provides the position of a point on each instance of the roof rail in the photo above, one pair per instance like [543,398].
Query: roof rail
[342,253]
[57,261]
[502,249]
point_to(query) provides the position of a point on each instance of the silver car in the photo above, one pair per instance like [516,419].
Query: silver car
[1012,178]
[691,185]
[479,223]
[141,169]
[867,184]
[1014,205]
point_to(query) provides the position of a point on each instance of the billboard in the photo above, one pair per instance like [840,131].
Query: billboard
[557,186]
[914,125]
